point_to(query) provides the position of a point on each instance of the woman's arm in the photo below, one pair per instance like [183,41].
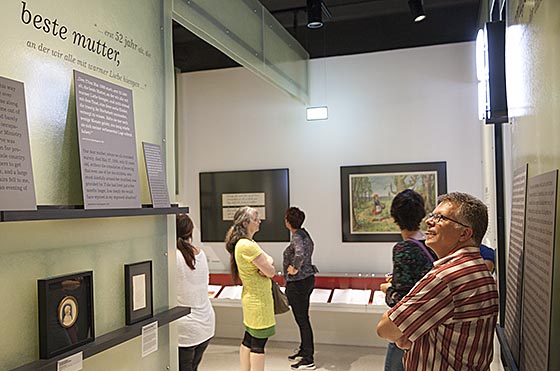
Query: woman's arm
[265,264]
[299,253]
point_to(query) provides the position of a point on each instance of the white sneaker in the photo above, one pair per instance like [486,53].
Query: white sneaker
[304,365]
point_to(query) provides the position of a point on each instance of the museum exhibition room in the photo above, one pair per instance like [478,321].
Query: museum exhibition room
[143,139]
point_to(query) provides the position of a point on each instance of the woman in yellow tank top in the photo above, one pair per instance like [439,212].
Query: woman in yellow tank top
[253,267]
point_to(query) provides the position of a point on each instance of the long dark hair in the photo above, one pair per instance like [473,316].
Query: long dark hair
[237,231]
[184,236]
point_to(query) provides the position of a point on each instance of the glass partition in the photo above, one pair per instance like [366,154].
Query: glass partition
[246,32]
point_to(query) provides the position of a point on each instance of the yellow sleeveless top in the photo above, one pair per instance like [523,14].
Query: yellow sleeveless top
[256,298]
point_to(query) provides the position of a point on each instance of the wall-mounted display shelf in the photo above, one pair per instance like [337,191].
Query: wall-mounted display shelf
[78,212]
[108,340]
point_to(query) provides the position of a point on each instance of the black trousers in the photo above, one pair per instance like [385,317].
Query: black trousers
[190,357]
[298,293]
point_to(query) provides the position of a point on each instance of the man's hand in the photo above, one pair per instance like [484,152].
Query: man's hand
[386,329]
[403,343]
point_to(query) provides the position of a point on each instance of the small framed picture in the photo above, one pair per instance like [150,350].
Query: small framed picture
[138,291]
[65,313]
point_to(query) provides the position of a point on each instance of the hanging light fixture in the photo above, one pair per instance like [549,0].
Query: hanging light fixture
[314,15]
[417,10]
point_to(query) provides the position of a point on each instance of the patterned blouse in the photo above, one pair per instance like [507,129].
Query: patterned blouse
[298,254]
[410,264]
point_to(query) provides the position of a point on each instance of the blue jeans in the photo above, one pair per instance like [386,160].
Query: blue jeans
[393,359]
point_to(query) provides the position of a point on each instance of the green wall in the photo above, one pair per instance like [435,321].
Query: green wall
[44,62]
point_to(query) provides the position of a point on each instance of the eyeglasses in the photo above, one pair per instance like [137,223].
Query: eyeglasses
[438,217]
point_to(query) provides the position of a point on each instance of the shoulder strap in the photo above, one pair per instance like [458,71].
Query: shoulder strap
[430,257]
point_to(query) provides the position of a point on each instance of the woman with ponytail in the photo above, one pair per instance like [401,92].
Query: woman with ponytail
[251,266]
[197,328]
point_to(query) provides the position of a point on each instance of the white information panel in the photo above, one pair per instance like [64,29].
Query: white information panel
[155,168]
[229,212]
[231,202]
[537,271]
[17,190]
[514,280]
[108,160]
[149,339]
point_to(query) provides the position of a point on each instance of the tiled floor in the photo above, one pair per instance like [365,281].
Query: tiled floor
[223,355]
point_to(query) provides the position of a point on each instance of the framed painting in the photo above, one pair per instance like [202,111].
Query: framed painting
[65,313]
[367,192]
[138,291]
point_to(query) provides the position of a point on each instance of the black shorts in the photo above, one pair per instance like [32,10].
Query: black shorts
[256,345]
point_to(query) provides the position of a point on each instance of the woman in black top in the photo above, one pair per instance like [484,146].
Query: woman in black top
[299,272]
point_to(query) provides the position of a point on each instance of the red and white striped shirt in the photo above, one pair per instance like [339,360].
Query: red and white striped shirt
[450,315]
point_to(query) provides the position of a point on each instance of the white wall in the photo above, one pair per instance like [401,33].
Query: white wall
[412,105]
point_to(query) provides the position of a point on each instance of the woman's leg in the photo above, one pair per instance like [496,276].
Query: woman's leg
[257,354]
[198,352]
[244,358]
[251,353]
[298,293]
[257,361]
[186,356]
[244,352]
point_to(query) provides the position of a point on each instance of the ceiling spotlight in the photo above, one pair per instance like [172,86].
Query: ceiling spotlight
[314,16]
[417,10]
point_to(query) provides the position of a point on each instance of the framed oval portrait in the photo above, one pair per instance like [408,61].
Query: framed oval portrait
[65,313]
[68,311]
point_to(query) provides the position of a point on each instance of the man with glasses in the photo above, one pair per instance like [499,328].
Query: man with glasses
[447,320]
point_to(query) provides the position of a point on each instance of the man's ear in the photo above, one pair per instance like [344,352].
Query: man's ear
[466,234]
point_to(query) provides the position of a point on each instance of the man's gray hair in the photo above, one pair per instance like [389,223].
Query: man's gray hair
[470,211]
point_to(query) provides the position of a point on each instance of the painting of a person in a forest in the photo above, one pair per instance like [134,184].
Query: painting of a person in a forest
[369,193]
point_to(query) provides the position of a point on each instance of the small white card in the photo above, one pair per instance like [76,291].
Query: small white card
[72,363]
[149,338]
[231,292]
[378,298]
[351,296]
[320,296]
[213,290]
[138,292]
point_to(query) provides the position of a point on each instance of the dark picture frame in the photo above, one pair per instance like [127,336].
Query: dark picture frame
[368,190]
[65,313]
[139,302]
[223,192]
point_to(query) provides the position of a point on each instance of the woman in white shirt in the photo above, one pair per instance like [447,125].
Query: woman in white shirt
[197,328]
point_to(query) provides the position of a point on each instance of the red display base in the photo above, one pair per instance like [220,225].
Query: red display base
[322,281]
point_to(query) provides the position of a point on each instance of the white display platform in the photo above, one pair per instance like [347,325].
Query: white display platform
[333,323]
